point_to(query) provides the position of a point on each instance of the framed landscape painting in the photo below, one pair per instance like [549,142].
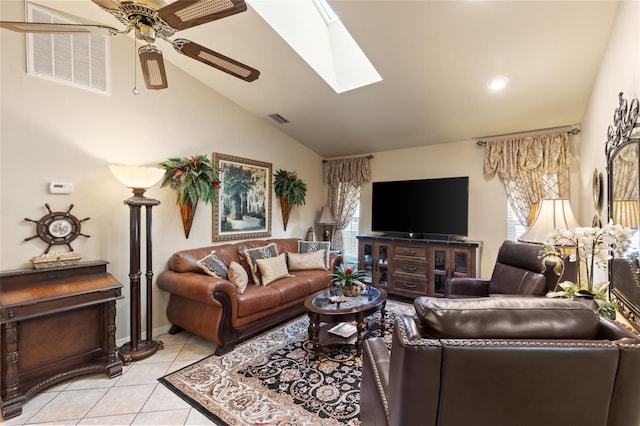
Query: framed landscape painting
[243,206]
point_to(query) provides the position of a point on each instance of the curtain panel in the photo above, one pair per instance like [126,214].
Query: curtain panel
[531,168]
[345,177]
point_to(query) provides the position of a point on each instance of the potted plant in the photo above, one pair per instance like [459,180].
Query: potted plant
[290,190]
[592,247]
[347,279]
[195,178]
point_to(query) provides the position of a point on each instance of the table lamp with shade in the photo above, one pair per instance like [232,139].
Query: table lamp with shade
[139,179]
[625,213]
[552,213]
[327,219]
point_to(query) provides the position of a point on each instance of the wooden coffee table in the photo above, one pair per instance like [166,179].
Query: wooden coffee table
[325,314]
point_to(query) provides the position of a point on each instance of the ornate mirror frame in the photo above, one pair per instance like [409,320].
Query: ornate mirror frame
[623,186]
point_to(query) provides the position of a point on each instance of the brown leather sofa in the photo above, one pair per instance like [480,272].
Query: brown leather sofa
[496,361]
[518,270]
[211,307]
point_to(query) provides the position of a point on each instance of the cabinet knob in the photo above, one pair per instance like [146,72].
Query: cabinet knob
[407,285]
[407,268]
[410,252]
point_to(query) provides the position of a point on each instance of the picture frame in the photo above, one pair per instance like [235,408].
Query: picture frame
[243,202]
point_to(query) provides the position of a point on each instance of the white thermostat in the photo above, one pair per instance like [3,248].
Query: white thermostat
[60,187]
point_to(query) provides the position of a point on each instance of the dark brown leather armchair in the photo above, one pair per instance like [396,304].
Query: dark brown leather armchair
[518,270]
[504,361]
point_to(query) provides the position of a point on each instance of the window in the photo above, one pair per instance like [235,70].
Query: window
[514,227]
[349,240]
[81,60]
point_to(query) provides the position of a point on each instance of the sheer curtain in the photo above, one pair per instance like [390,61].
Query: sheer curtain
[344,177]
[531,168]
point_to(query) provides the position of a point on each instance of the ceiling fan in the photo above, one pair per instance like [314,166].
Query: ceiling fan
[153,19]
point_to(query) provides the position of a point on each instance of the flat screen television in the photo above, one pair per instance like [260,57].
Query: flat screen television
[424,208]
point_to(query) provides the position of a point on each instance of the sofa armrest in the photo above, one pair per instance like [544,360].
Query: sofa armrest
[466,287]
[374,407]
[334,261]
[195,286]
[414,376]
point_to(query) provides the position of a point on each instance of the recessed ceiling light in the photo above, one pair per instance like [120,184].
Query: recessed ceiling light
[497,84]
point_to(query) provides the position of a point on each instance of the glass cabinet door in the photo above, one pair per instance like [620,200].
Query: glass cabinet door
[460,263]
[383,265]
[365,261]
[374,261]
[440,270]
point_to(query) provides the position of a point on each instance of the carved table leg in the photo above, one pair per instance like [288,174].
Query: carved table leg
[12,402]
[359,326]
[314,324]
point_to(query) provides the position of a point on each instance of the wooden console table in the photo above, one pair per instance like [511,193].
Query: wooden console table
[56,323]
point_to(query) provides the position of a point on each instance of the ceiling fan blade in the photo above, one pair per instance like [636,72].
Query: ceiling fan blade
[37,27]
[188,13]
[215,59]
[152,64]
[107,4]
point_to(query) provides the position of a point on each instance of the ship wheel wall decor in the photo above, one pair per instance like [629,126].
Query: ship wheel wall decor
[57,228]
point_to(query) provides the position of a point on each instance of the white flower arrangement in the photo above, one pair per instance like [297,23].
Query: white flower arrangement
[591,247]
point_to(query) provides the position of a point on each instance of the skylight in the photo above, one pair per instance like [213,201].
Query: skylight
[316,33]
[326,11]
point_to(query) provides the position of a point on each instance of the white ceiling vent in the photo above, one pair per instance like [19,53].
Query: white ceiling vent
[81,60]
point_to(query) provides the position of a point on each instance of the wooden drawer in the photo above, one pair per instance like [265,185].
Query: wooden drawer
[408,267]
[410,251]
[409,286]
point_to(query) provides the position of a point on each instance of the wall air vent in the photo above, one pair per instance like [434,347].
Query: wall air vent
[278,118]
[81,60]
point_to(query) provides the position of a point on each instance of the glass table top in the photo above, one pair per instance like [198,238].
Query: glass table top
[330,300]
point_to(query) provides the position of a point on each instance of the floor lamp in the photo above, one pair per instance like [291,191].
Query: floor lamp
[139,179]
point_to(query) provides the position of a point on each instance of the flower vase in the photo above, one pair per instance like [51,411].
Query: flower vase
[187,211]
[351,289]
[286,210]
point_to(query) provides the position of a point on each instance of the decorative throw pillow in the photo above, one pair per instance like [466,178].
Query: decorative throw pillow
[263,252]
[272,269]
[306,261]
[213,265]
[238,276]
[311,246]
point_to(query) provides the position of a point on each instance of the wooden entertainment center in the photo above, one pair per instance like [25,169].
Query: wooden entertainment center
[416,267]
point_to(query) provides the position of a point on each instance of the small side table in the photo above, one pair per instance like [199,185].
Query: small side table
[56,324]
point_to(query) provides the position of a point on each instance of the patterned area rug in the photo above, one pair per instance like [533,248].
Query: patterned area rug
[274,379]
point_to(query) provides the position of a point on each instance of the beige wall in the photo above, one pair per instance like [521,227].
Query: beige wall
[619,72]
[55,132]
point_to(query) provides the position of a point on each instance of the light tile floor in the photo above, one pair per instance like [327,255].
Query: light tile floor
[134,398]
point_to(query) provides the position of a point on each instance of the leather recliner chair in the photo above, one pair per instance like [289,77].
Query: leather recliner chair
[525,361]
[519,269]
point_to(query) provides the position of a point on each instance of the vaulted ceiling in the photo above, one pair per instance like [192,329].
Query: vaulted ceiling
[435,58]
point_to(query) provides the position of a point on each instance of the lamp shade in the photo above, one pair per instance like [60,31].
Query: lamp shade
[552,214]
[326,217]
[137,176]
[625,213]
